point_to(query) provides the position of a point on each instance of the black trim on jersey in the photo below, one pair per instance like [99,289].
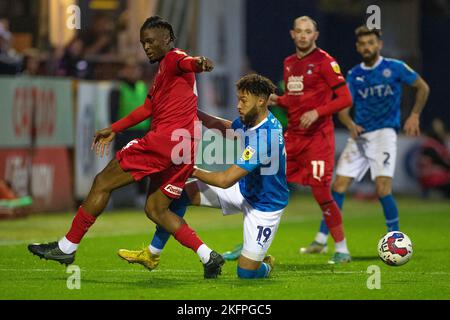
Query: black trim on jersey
[178,64]
[149,97]
[338,85]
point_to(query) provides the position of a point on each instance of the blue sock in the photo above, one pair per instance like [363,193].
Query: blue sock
[262,272]
[390,212]
[339,199]
[178,206]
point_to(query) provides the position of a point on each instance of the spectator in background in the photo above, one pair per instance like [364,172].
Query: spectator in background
[132,92]
[433,162]
[72,64]
[31,64]
[100,39]
[9,62]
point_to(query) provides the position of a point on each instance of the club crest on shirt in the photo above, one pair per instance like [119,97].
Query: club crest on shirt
[335,67]
[387,73]
[248,153]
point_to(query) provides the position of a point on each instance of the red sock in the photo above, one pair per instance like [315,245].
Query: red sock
[333,219]
[188,238]
[331,212]
[80,225]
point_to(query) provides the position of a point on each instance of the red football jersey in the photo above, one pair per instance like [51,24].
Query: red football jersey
[309,83]
[173,96]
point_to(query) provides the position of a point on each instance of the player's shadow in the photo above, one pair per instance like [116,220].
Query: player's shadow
[302,266]
[154,282]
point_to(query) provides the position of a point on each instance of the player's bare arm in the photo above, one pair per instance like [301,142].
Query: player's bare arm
[346,120]
[102,141]
[213,122]
[412,124]
[221,179]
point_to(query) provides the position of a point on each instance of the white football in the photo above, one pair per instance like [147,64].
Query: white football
[395,248]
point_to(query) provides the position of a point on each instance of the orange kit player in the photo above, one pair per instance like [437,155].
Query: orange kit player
[172,103]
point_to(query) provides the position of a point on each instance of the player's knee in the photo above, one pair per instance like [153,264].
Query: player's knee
[340,185]
[383,189]
[100,183]
[322,194]
[153,210]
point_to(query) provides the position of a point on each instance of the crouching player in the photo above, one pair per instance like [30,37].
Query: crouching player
[255,185]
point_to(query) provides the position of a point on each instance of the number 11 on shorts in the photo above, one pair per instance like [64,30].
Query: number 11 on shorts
[318,169]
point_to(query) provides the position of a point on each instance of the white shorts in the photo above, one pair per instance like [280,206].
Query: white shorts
[259,227]
[376,150]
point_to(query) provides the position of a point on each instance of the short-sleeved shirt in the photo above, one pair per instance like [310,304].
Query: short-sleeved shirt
[264,157]
[310,82]
[377,92]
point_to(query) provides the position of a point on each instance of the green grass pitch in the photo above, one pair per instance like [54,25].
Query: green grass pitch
[180,274]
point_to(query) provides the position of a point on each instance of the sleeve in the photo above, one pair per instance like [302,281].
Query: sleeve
[137,116]
[236,124]
[283,100]
[342,100]
[407,74]
[350,84]
[331,72]
[180,62]
[254,151]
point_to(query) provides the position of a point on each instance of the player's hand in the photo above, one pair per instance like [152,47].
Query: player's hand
[273,100]
[308,118]
[206,64]
[102,141]
[355,130]
[412,125]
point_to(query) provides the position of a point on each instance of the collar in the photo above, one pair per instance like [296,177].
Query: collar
[259,124]
[364,67]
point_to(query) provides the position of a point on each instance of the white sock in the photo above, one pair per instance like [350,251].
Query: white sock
[203,252]
[341,247]
[154,250]
[66,246]
[321,238]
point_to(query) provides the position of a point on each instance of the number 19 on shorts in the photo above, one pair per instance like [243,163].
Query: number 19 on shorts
[263,233]
[318,169]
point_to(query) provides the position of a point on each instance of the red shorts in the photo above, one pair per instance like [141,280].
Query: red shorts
[310,159]
[152,156]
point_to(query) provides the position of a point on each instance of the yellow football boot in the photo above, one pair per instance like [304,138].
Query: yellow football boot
[144,257]
[270,260]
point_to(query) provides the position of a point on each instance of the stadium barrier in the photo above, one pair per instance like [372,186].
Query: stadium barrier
[36,130]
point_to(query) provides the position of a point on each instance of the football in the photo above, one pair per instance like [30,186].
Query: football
[395,248]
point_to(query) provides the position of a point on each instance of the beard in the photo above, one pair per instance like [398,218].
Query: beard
[370,58]
[251,116]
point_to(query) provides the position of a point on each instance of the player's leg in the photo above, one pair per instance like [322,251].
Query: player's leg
[157,210]
[111,178]
[333,219]
[259,231]
[339,188]
[150,257]
[384,193]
